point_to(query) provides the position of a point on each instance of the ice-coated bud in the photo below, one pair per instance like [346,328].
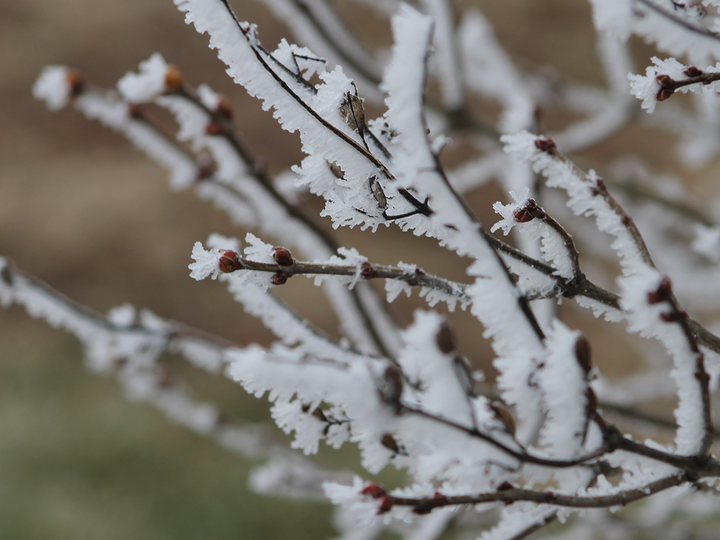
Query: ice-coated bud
[385,505]
[229,262]
[367,271]
[214,128]
[373,490]
[389,442]
[279,278]
[522,215]
[545,144]
[692,71]
[223,107]
[662,293]
[282,256]
[445,339]
[582,353]
[390,387]
[173,80]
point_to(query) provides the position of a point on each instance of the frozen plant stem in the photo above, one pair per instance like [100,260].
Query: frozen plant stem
[532,441]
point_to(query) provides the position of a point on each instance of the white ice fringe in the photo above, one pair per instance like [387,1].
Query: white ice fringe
[582,200]
[53,87]
[645,318]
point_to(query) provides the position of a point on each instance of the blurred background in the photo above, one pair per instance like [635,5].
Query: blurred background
[84,211]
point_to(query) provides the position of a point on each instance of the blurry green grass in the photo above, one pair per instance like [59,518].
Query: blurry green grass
[77,460]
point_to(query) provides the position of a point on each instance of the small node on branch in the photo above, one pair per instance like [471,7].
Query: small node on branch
[173,80]
[666,87]
[526,213]
[229,262]
[206,167]
[385,505]
[662,293]
[390,387]
[583,354]
[546,145]
[76,82]
[367,271]
[135,111]
[692,71]
[279,278]
[373,490]
[505,486]
[283,256]
[389,442]
[445,338]
[214,128]
[224,108]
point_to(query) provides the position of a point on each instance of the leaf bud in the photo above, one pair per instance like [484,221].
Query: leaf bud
[223,108]
[373,490]
[173,80]
[445,338]
[546,145]
[389,442]
[282,256]
[692,71]
[213,128]
[390,387]
[229,262]
[367,271]
[75,81]
[385,505]
[582,353]
[662,293]
[279,278]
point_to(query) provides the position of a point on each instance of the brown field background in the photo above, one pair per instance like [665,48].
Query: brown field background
[84,211]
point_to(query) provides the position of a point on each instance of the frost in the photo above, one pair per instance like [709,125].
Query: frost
[53,87]
[148,83]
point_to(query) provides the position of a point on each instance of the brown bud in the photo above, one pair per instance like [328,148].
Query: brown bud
[135,111]
[545,145]
[505,486]
[662,293]
[279,278]
[582,353]
[223,108]
[385,505]
[390,387]
[664,93]
[692,71]
[173,80]
[523,215]
[214,128]
[673,316]
[502,414]
[664,80]
[367,271]
[445,339]
[389,442]
[229,262]
[373,490]
[222,418]
[75,82]
[206,167]
[282,256]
